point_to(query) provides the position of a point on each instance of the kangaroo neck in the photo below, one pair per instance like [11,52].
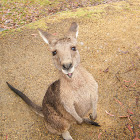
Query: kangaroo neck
[78,78]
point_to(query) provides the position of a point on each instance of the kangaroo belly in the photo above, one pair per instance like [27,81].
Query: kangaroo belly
[83,109]
[83,102]
[81,99]
[80,93]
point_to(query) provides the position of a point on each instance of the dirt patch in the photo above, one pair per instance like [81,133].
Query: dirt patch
[110,49]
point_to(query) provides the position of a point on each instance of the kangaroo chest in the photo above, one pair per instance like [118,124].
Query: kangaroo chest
[78,96]
[82,101]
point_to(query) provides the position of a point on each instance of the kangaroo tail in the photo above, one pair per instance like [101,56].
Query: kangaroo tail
[37,109]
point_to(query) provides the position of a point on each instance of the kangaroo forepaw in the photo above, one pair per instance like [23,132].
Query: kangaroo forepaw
[68,139]
[91,122]
[94,123]
[92,117]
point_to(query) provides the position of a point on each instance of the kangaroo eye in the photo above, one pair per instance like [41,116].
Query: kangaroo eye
[73,48]
[54,53]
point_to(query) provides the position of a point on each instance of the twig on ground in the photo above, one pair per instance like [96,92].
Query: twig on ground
[118,102]
[109,113]
[123,116]
[133,85]
[99,135]
[136,136]
[130,112]
[106,70]
[137,101]
[129,128]
[116,75]
[35,35]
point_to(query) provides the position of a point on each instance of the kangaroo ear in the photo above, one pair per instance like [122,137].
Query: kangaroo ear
[73,30]
[48,38]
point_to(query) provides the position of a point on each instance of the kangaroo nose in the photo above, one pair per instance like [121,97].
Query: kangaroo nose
[67,66]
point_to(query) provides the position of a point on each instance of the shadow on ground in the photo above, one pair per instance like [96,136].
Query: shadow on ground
[109,45]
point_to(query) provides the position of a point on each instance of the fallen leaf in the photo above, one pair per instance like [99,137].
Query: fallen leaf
[109,113]
[54,34]
[127,81]
[118,101]
[130,112]
[139,124]
[133,85]
[129,128]
[136,136]
[34,35]
[106,70]
[123,116]
[137,100]
[99,135]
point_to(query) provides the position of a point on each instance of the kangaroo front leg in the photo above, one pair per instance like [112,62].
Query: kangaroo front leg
[72,111]
[94,110]
[89,121]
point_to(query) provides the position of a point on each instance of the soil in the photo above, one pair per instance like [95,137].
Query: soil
[109,45]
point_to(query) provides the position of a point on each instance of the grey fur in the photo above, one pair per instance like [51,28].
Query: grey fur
[69,99]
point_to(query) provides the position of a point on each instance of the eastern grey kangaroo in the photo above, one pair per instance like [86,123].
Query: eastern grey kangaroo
[69,99]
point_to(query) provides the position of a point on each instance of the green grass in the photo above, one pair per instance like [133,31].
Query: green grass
[16,13]
[41,2]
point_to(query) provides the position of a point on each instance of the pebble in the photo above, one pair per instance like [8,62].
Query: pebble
[7,21]
[82,43]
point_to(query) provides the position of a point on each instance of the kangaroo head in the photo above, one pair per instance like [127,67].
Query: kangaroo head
[64,51]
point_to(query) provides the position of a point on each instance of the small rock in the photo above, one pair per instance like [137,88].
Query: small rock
[7,21]
[2,29]
[82,43]
[101,47]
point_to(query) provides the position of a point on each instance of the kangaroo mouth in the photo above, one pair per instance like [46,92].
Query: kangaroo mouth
[69,75]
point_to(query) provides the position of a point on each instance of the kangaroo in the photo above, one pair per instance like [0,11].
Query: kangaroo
[69,99]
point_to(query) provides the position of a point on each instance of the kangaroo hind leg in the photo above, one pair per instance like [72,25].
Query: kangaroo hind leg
[57,124]
[60,131]
[66,135]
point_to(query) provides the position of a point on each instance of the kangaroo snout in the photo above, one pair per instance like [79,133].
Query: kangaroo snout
[68,69]
[67,66]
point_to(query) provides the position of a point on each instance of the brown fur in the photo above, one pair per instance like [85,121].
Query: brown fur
[71,98]
[54,113]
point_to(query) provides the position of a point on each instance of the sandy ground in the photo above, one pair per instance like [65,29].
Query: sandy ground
[109,44]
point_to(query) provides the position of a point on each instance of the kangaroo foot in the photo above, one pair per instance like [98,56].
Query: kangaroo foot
[91,122]
[66,136]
